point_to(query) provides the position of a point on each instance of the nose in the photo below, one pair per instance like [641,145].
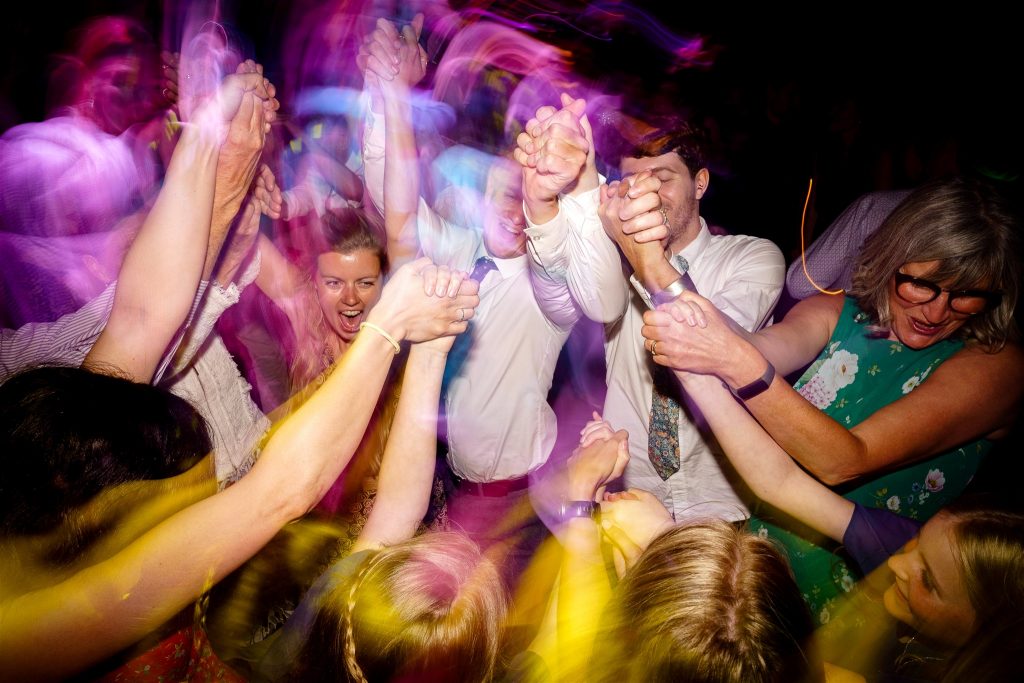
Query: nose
[348,295]
[937,310]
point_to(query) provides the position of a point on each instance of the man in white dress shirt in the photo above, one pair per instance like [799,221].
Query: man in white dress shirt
[653,217]
[500,427]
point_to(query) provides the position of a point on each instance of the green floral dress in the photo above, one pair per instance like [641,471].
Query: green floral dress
[855,375]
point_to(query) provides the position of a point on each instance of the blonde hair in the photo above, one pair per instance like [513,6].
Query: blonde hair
[969,228]
[430,608]
[708,602]
[989,550]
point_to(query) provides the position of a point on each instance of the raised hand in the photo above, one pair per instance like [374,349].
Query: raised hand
[267,194]
[392,57]
[406,311]
[592,466]
[632,206]
[554,150]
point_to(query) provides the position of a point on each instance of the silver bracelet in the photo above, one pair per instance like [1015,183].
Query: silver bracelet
[669,293]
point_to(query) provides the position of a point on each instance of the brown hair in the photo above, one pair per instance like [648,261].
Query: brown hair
[678,136]
[989,551]
[342,231]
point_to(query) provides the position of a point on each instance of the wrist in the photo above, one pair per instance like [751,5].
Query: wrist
[578,509]
[749,385]
[540,209]
[392,324]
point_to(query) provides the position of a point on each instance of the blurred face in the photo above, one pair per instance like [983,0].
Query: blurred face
[123,93]
[503,211]
[928,592]
[347,287]
[680,194]
[919,325]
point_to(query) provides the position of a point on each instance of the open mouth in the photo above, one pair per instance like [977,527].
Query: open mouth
[925,328]
[349,320]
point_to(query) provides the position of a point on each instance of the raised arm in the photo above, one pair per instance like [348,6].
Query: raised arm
[567,244]
[394,64]
[584,585]
[162,268]
[407,468]
[126,597]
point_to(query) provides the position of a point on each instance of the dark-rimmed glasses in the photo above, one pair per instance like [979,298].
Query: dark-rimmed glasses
[916,290]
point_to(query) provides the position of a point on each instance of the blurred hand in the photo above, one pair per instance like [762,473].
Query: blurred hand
[630,520]
[554,150]
[592,466]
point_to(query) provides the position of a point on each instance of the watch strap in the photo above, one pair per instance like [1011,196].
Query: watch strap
[570,509]
[758,386]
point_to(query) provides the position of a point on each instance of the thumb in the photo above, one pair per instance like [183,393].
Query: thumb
[417,25]
[576,106]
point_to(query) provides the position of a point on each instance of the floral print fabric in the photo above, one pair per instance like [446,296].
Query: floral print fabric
[854,376]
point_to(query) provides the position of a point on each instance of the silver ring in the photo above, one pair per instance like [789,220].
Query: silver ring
[462,315]
[664,215]
[654,348]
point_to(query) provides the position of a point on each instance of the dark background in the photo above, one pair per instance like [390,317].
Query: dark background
[862,99]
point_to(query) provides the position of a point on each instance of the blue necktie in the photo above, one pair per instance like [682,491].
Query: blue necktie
[482,266]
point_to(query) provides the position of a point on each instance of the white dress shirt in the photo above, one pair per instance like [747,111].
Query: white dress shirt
[741,275]
[499,372]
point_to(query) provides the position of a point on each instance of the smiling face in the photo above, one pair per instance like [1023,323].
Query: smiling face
[504,222]
[680,194]
[921,325]
[928,592]
[347,287]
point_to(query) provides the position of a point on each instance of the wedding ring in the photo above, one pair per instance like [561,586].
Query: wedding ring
[654,348]
[664,215]
[462,315]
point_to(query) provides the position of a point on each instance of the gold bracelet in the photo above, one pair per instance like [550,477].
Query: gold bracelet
[382,332]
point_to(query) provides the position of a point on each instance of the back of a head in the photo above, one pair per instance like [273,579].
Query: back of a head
[711,603]
[66,434]
[426,609]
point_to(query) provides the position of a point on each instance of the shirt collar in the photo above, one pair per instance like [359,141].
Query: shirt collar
[692,250]
[510,266]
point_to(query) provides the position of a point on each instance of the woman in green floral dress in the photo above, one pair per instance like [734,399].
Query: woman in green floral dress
[914,373]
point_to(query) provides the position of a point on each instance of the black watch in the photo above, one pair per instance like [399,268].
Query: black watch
[758,386]
[578,508]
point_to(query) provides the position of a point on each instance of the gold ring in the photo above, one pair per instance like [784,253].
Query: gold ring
[654,348]
[664,215]
[462,315]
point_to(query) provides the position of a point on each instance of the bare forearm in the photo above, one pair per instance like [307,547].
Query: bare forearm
[162,269]
[401,175]
[407,469]
[583,591]
[767,469]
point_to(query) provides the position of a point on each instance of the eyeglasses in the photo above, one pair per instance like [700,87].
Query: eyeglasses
[916,290]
